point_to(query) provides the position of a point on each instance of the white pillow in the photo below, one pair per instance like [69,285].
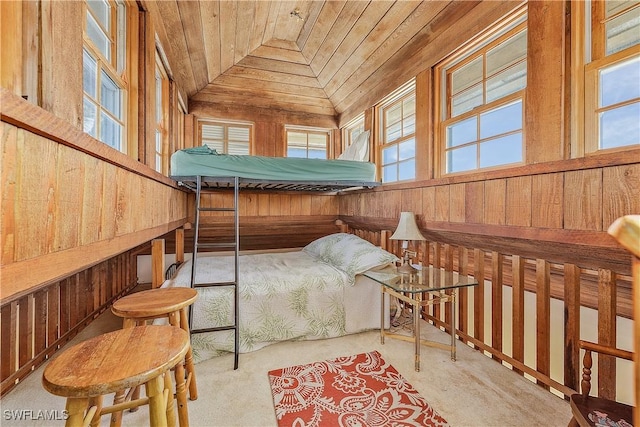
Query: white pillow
[358,150]
[349,253]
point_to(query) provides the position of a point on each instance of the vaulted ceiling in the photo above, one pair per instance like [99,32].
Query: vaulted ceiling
[314,57]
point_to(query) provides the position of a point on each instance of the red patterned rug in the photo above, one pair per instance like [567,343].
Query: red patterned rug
[361,390]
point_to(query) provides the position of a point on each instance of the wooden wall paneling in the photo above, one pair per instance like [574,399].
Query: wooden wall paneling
[622,184]
[285,204]
[457,202]
[544,102]
[518,201]
[571,325]
[474,202]
[518,313]
[478,295]
[448,266]
[547,200]
[109,197]
[392,204]
[67,199]
[495,202]
[583,200]
[90,215]
[25,329]
[263,204]
[424,131]
[543,317]
[12,57]
[411,200]
[607,332]
[428,207]
[30,51]
[8,338]
[61,93]
[441,203]
[53,315]
[9,174]
[94,273]
[497,260]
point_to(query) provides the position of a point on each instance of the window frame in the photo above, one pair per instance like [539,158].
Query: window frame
[226,124]
[591,59]
[489,39]
[162,119]
[349,133]
[308,130]
[398,96]
[115,68]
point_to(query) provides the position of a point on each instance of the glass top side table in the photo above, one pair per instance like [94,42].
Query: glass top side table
[442,285]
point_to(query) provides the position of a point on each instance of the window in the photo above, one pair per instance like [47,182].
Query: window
[226,138]
[612,75]
[482,90]
[162,117]
[352,130]
[398,134]
[308,143]
[103,64]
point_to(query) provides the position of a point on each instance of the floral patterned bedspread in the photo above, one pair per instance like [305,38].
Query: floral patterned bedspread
[283,296]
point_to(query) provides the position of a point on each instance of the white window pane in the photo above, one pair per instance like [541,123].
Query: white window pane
[623,31]
[110,95]
[393,114]
[500,120]
[462,132]
[98,37]
[409,106]
[620,127]
[409,125]
[238,148]
[389,154]
[89,112]
[407,149]
[110,131]
[390,173]
[466,76]
[620,82]
[317,141]
[212,132]
[407,170]
[158,141]
[89,74]
[297,140]
[467,100]
[462,159]
[507,53]
[509,81]
[158,163]
[393,132]
[296,152]
[315,153]
[158,96]
[501,151]
[101,11]
[239,133]
[215,145]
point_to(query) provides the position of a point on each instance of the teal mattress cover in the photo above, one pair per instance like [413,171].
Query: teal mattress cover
[204,161]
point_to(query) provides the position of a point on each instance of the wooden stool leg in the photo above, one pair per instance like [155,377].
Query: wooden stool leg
[75,408]
[181,396]
[116,417]
[157,404]
[97,402]
[171,414]
[188,360]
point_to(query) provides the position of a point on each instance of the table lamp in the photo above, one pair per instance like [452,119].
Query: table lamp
[406,230]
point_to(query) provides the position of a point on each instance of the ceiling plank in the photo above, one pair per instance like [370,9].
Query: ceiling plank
[266,75]
[326,19]
[369,20]
[228,12]
[288,55]
[210,16]
[190,13]
[260,17]
[269,85]
[270,26]
[309,22]
[245,17]
[276,65]
[288,26]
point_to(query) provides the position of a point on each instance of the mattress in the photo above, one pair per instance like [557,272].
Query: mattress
[203,161]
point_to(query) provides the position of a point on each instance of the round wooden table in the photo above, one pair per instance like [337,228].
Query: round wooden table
[116,361]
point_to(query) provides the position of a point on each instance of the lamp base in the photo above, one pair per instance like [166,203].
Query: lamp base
[406,268]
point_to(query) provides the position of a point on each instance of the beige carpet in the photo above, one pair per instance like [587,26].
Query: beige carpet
[472,391]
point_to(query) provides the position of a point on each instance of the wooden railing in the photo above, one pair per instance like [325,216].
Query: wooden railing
[513,288]
[33,326]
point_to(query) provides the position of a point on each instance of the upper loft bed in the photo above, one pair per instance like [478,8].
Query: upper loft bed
[219,171]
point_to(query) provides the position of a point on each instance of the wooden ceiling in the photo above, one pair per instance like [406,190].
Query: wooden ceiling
[313,57]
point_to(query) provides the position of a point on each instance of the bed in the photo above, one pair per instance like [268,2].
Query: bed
[311,293]
[269,173]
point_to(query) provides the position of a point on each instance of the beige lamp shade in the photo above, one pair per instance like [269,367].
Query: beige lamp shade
[407,228]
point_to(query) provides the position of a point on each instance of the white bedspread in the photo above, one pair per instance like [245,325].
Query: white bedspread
[283,296]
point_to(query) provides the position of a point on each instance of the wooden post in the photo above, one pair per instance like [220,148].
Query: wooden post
[157,263]
[180,245]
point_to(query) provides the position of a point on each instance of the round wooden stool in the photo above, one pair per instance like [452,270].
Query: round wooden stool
[116,361]
[171,303]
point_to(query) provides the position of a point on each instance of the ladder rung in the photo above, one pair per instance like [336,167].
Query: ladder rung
[217,209]
[212,284]
[219,328]
[215,245]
